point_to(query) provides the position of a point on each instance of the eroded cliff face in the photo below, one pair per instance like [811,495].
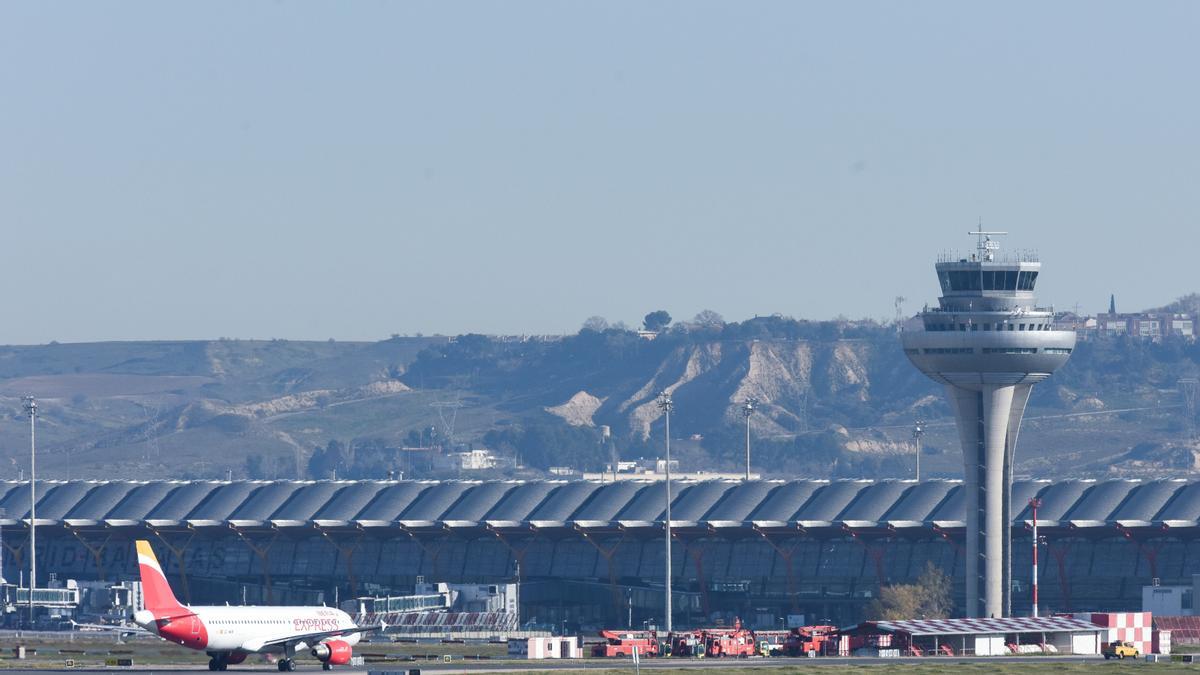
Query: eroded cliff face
[785,377]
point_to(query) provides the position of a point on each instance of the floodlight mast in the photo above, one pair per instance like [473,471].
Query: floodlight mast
[31,409]
[1034,503]
[748,409]
[667,405]
[918,432]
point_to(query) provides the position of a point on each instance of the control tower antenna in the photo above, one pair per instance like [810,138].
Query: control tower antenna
[986,247]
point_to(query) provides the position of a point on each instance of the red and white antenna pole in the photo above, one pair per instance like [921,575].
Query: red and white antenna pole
[1033,505]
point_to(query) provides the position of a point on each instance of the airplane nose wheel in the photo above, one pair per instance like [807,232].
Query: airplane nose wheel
[286,665]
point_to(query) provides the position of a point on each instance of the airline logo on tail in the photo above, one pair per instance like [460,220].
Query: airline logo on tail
[164,614]
[157,592]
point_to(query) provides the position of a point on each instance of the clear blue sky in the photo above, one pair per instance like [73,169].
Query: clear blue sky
[351,170]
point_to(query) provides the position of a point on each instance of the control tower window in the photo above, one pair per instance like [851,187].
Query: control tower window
[966,280]
[986,280]
[1000,280]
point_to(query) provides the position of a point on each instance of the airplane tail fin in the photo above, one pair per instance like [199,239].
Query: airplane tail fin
[155,589]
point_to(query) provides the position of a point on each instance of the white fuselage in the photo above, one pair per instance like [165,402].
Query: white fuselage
[247,628]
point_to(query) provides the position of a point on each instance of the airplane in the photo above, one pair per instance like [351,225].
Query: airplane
[228,634]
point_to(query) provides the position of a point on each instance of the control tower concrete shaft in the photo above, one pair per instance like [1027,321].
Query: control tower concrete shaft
[988,343]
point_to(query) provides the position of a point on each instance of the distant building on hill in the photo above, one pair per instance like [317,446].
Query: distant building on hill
[477,460]
[1149,326]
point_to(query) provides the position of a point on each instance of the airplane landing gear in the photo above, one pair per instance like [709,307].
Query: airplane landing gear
[325,665]
[217,663]
[286,665]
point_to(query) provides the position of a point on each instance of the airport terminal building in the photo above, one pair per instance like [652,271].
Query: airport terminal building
[591,553]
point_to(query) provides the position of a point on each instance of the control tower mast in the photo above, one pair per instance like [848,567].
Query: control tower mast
[988,343]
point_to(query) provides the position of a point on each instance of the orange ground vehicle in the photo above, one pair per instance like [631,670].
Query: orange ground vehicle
[621,643]
[687,643]
[736,641]
[807,639]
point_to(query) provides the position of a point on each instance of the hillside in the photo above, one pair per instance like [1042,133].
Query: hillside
[836,399]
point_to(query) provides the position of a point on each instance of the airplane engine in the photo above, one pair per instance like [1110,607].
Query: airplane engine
[335,652]
[235,657]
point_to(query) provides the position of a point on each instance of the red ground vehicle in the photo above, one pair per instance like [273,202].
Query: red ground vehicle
[621,643]
[687,643]
[807,639]
[736,641]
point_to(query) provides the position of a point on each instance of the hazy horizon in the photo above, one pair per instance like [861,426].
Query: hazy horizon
[308,171]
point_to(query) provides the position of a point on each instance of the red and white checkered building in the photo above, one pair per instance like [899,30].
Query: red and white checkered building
[1132,627]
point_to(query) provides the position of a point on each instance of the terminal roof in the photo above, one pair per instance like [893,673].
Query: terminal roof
[716,505]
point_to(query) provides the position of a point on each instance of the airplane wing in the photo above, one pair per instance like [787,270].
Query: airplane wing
[115,629]
[259,645]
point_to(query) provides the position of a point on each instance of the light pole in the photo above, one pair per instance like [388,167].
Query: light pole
[2,580]
[31,408]
[629,607]
[667,405]
[1033,505]
[918,432]
[517,602]
[748,410]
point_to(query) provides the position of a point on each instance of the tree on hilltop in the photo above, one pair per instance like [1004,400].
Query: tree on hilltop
[598,324]
[657,320]
[709,319]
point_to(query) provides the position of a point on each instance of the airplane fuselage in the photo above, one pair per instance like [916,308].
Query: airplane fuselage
[247,628]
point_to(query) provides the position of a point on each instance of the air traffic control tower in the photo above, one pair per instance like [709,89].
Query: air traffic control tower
[988,343]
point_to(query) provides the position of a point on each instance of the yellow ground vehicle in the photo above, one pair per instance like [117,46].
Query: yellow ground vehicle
[1120,650]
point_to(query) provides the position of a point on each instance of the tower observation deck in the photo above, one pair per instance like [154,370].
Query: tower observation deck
[988,343]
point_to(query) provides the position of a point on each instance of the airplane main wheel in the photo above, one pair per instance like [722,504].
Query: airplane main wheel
[286,665]
[212,664]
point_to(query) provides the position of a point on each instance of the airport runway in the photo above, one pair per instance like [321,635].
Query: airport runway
[506,666]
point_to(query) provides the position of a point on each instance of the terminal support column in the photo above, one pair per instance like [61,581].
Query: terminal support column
[180,553]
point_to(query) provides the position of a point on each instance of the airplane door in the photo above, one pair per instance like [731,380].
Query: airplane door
[195,625]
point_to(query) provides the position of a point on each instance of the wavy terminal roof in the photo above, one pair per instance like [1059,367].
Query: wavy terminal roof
[715,505]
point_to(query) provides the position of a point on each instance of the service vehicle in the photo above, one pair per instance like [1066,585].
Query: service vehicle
[735,642]
[1120,650]
[806,640]
[621,643]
